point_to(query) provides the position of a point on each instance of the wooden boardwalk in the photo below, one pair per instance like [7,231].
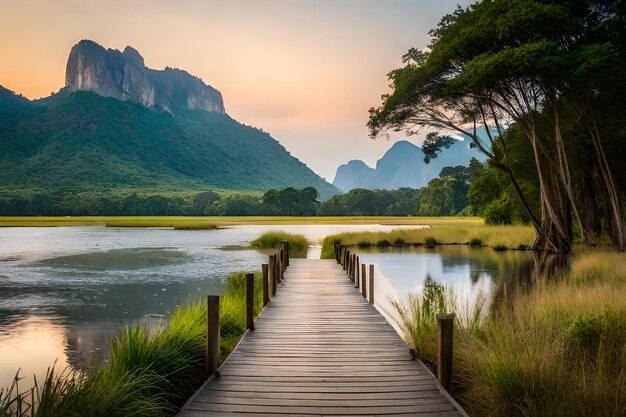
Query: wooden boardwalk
[320,349]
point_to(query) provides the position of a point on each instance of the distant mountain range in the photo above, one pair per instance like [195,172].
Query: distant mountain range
[402,166]
[118,125]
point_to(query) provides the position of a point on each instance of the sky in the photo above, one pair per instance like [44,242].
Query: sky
[306,71]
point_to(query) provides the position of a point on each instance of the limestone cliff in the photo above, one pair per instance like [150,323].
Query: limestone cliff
[124,76]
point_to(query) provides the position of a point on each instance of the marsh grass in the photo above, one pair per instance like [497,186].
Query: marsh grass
[559,350]
[50,221]
[273,240]
[148,373]
[497,237]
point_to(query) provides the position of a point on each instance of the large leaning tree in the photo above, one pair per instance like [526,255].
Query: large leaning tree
[501,63]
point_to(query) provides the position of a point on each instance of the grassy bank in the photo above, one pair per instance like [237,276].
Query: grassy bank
[148,374]
[223,221]
[497,237]
[559,350]
[272,240]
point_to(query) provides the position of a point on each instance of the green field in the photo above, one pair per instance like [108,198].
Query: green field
[224,221]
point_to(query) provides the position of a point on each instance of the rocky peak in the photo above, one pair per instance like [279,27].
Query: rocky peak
[124,76]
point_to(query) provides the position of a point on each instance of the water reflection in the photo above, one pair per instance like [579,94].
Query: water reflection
[469,272]
[31,343]
[65,291]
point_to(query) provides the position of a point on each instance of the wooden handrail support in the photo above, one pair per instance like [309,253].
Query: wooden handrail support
[250,301]
[363,282]
[272,271]
[371,284]
[213,335]
[356,273]
[266,284]
[445,349]
[286,245]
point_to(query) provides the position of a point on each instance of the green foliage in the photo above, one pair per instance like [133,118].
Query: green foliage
[81,142]
[291,202]
[274,239]
[417,318]
[433,143]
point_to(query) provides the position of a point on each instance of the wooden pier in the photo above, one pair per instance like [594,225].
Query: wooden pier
[321,349]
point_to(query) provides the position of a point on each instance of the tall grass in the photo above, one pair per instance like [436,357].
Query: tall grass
[273,239]
[50,221]
[559,350]
[148,373]
[501,237]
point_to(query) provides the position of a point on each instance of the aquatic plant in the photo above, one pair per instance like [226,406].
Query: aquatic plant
[494,236]
[557,350]
[148,373]
[273,240]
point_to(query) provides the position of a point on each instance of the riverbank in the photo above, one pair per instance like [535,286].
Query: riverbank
[558,349]
[147,373]
[496,237]
[225,221]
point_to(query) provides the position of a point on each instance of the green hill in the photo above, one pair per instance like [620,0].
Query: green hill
[81,141]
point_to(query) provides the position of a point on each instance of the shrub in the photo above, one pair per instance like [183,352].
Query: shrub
[273,240]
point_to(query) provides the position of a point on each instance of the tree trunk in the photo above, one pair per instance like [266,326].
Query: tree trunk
[617,228]
[555,233]
[564,172]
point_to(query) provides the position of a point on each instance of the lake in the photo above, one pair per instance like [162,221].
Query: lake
[65,291]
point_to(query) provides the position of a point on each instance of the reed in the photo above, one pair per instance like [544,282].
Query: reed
[559,350]
[497,237]
[273,239]
[148,373]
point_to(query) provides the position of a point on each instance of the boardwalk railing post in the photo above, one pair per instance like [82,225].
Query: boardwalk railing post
[272,270]
[351,269]
[281,266]
[286,254]
[250,301]
[445,333]
[266,284]
[363,276]
[213,334]
[371,284]
[356,273]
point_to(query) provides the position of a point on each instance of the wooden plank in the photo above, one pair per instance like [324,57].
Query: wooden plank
[320,349]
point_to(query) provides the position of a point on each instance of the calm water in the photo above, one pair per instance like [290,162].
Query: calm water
[65,291]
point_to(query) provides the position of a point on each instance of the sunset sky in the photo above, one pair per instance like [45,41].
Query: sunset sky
[306,71]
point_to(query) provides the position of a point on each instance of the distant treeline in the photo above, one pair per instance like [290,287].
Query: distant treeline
[443,196]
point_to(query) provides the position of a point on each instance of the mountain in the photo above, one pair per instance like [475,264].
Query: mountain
[123,75]
[402,166]
[120,126]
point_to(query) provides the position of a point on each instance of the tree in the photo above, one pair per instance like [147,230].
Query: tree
[505,62]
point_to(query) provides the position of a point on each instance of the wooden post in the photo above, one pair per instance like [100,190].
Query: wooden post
[445,333]
[213,334]
[250,301]
[336,249]
[345,258]
[286,254]
[347,268]
[371,284]
[363,276]
[356,273]
[266,284]
[279,261]
[272,270]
